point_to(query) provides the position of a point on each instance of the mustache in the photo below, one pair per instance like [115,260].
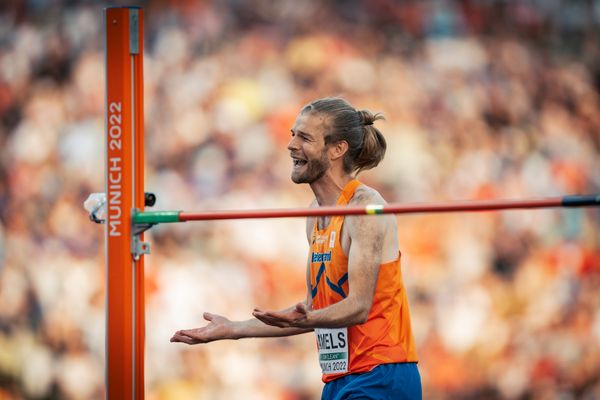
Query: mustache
[296,155]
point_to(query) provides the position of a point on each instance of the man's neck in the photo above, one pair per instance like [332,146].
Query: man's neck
[328,188]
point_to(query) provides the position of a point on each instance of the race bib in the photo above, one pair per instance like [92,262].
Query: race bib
[333,350]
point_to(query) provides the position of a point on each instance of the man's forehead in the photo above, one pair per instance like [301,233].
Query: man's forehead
[310,122]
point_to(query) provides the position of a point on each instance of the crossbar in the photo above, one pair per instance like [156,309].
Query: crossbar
[156,217]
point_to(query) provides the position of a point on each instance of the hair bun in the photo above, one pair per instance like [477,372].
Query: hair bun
[365,117]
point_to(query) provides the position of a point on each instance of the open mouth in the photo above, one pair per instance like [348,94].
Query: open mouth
[297,162]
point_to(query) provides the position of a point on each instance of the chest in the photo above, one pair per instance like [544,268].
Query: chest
[329,234]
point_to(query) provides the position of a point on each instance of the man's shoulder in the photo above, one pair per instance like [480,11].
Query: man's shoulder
[365,195]
[361,228]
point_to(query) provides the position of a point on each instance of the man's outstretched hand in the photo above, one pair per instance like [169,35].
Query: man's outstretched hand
[296,317]
[218,328]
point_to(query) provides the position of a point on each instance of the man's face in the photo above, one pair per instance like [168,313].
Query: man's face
[307,148]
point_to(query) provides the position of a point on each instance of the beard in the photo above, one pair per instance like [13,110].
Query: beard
[313,170]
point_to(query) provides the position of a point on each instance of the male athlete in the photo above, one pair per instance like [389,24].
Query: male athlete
[356,302]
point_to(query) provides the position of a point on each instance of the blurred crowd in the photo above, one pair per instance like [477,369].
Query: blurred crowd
[482,99]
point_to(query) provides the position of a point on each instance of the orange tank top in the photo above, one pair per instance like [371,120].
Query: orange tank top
[386,337]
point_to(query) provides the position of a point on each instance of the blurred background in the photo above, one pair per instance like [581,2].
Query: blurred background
[482,99]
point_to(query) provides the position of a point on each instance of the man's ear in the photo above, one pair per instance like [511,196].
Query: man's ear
[337,150]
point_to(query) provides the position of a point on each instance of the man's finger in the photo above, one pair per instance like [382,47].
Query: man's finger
[272,314]
[191,333]
[269,320]
[279,316]
[261,316]
[177,338]
[208,316]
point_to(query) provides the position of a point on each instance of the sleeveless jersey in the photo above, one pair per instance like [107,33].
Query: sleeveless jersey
[386,337]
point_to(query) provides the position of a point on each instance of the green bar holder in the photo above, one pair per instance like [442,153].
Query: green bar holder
[156,217]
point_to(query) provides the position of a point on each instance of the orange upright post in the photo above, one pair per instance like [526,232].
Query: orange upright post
[125,191]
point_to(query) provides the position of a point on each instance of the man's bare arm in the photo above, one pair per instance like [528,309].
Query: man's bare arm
[221,328]
[367,237]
